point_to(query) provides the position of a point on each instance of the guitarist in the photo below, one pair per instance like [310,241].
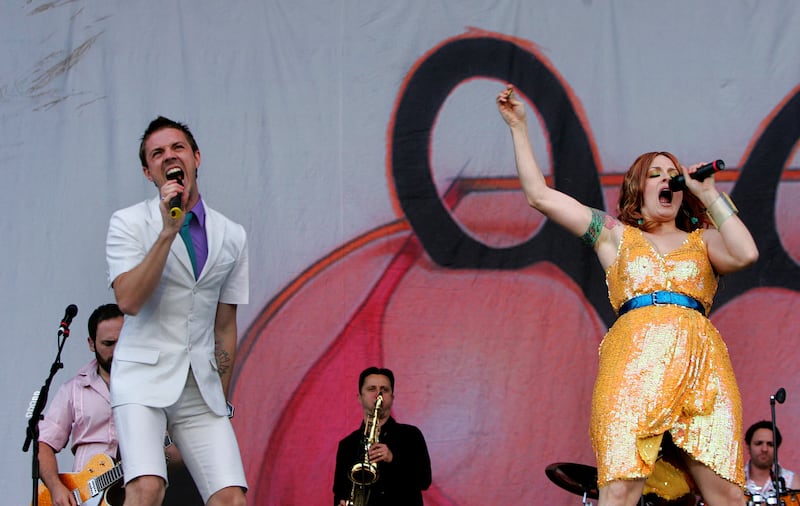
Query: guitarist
[81,409]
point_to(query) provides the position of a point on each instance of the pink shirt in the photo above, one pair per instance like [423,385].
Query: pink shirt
[81,408]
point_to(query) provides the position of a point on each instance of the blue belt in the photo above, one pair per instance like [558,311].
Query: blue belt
[659,299]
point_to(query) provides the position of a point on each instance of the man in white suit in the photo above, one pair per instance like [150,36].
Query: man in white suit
[173,362]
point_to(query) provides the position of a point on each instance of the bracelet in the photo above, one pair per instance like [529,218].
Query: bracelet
[721,209]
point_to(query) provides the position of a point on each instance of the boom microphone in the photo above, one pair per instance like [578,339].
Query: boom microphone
[678,183]
[69,314]
[175,203]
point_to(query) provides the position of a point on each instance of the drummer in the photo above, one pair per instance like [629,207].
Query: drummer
[758,439]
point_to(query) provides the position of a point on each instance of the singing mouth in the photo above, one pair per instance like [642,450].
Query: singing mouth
[175,174]
[665,196]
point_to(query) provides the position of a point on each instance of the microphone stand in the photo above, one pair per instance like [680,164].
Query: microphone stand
[32,433]
[778,483]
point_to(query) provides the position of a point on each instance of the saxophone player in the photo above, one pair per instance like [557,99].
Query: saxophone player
[399,453]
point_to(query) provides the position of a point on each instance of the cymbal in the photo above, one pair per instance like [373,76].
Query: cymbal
[576,478]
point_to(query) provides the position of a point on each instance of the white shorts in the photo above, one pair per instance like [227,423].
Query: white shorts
[206,441]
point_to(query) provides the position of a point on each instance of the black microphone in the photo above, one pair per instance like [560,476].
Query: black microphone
[175,203]
[69,314]
[780,395]
[678,183]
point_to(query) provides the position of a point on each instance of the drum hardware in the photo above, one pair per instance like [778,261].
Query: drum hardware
[778,483]
[779,495]
[579,479]
[787,498]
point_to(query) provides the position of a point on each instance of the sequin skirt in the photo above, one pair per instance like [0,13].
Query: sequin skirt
[665,369]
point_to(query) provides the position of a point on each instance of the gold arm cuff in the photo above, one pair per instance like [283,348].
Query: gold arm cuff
[721,209]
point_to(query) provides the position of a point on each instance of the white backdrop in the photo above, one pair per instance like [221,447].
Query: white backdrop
[290,103]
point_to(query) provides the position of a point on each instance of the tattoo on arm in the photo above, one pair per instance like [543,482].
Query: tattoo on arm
[223,358]
[599,219]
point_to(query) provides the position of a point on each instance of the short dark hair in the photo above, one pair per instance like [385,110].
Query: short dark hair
[161,123]
[101,314]
[375,370]
[763,424]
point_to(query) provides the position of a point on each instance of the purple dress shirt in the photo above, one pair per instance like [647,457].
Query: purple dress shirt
[197,229]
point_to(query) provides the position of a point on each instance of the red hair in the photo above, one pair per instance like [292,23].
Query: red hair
[631,197]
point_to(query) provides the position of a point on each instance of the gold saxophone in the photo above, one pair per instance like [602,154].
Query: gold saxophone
[364,473]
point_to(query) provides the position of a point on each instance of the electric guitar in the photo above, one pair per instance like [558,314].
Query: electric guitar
[94,484]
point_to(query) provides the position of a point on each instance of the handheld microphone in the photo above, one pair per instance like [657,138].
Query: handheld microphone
[69,314]
[678,183]
[175,203]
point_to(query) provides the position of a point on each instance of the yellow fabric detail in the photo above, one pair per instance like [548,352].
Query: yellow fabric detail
[664,369]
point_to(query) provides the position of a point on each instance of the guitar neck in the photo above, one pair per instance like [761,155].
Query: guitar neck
[105,480]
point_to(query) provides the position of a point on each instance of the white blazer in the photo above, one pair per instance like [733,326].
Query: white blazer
[174,330]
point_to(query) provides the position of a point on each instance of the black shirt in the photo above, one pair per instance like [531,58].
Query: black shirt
[401,481]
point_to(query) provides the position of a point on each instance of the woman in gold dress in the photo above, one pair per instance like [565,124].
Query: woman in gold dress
[665,380]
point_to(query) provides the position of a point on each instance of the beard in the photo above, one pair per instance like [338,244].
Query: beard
[104,364]
[761,462]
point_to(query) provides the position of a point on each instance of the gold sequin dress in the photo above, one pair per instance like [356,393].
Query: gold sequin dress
[664,369]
